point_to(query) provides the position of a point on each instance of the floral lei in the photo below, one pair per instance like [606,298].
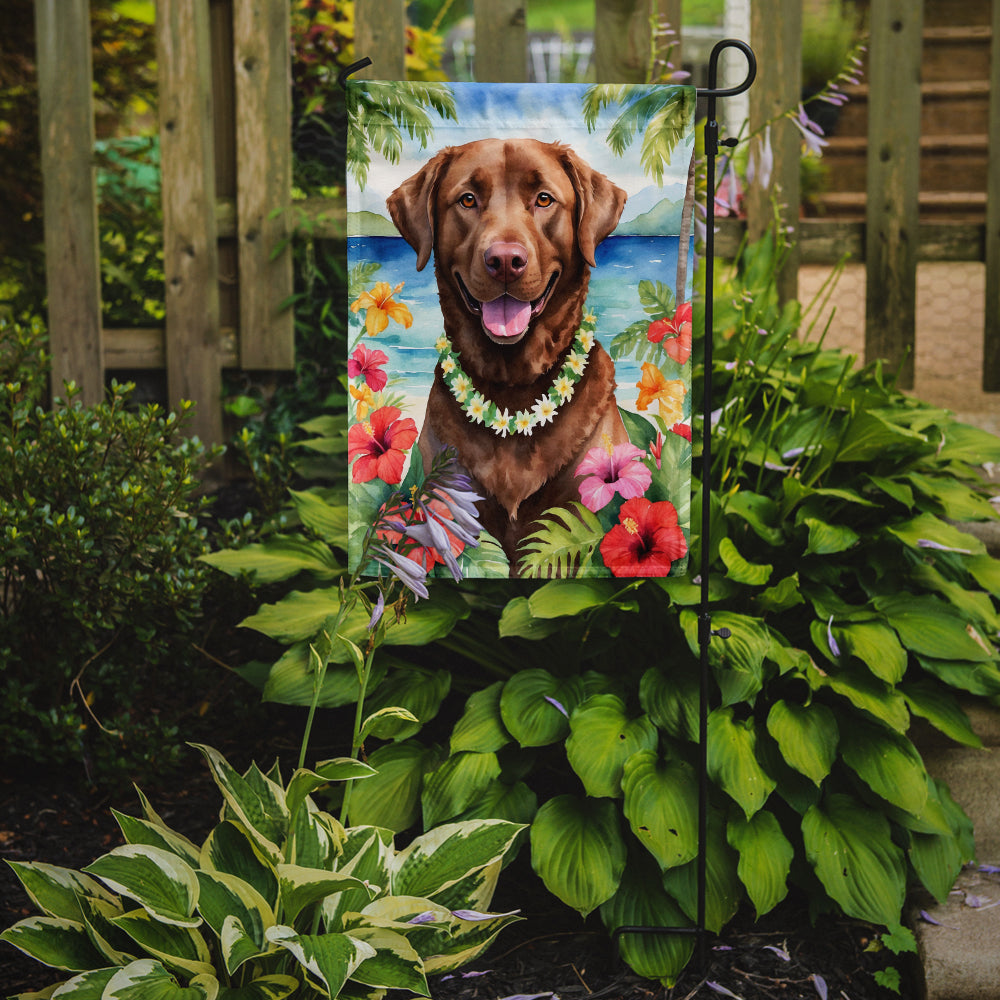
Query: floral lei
[480,410]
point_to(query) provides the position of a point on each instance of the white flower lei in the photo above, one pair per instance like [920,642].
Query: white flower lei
[480,410]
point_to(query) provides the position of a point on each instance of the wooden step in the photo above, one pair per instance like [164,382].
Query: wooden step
[945,106]
[947,162]
[958,206]
[940,13]
[956,53]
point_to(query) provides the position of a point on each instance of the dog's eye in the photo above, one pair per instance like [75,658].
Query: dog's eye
[544,200]
[467,200]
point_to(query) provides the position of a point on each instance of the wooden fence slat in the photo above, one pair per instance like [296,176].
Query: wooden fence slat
[776,36]
[892,214]
[991,331]
[72,255]
[261,56]
[190,252]
[501,41]
[621,40]
[380,34]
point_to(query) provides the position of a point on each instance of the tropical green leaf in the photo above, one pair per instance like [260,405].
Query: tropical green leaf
[926,528]
[930,627]
[936,704]
[850,848]
[807,736]
[671,700]
[327,520]
[563,545]
[535,706]
[732,760]
[602,738]
[738,569]
[481,727]
[765,858]
[661,798]
[578,851]
[456,784]
[888,763]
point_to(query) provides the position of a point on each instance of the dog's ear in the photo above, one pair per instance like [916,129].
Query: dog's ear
[599,203]
[411,206]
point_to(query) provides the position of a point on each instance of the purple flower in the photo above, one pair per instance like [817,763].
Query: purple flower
[820,983]
[761,162]
[552,701]
[612,470]
[427,917]
[719,988]
[377,612]
[927,543]
[834,648]
[475,915]
[780,952]
[408,571]
[811,132]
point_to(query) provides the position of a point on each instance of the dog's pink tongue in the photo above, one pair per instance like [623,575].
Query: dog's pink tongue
[506,316]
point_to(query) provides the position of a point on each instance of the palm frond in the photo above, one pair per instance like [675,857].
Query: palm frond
[563,544]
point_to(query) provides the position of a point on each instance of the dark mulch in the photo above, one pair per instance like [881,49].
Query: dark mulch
[551,952]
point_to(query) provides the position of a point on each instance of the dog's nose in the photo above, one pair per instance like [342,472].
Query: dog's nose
[506,261]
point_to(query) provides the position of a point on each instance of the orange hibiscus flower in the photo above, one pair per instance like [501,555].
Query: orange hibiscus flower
[380,306]
[668,393]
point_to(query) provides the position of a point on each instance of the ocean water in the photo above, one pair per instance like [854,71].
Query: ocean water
[621,263]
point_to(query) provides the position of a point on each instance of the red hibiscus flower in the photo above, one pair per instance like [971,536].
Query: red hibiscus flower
[368,364]
[379,444]
[646,540]
[683,429]
[675,334]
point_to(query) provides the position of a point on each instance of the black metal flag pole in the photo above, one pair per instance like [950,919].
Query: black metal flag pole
[705,632]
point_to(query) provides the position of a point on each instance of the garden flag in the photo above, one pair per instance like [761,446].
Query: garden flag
[520,328]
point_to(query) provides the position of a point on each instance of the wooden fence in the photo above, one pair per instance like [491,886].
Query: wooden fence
[226,162]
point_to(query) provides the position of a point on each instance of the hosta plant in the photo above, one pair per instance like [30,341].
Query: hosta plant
[279,900]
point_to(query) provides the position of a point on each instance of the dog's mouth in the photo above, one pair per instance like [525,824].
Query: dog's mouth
[506,319]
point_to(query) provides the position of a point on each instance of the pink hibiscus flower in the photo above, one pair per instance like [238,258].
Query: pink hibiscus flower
[380,444]
[612,470]
[368,364]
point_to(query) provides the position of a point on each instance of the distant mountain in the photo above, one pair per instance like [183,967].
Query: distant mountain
[664,218]
[648,198]
[369,224]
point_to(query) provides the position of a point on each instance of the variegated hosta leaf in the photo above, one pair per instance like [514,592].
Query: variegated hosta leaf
[661,800]
[732,760]
[765,858]
[315,838]
[177,947]
[367,854]
[456,784]
[481,727]
[56,891]
[304,782]
[300,887]
[441,857]
[256,801]
[158,880]
[850,847]
[54,941]
[141,831]
[230,849]
[86,986]
[578,851]
[224,898]
[468,939]
[275,987]
[395,964]
[328,959]
[642,902]
[475,891]
[807,736]
[149,980]
[116,946]
[602,737]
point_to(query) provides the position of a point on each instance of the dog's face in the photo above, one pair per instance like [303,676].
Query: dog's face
[513,225]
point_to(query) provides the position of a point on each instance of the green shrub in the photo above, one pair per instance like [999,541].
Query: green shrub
[99,546]
[279,900]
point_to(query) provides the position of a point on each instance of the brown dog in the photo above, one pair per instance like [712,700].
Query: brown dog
[513,225]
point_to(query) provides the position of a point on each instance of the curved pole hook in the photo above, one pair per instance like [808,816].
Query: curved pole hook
[713,90]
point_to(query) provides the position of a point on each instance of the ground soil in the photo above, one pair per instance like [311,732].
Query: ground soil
[57,820]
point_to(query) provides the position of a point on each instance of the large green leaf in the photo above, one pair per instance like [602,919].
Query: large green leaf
[851,850]
[147,979]
[301,887]
[304,782]
[164,885]
[670,698]
[179,948]
[827,539]
[738,660]
[391,798]
[888,763]
[807,736]
[279,558]
[327,520]
[870,436]
[535,706]
[641,901]
[562,543]
[939,706]
[976,678]
[481,728]
[456,784]
[578,851]
[517,620]
[932,628]
[732,760]
[866,692]
[395,964]
[418,690]
[440,858]
[739,569]
[876,646]
[329,959]
[562,598]
[765,858]
[602,737]
[54,941]
[926,528]
[661,806]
